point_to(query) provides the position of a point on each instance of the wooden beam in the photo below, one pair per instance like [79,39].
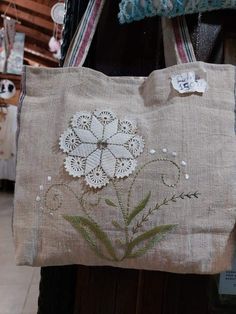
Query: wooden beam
[32,33]
[38,51]
[39,55]
[35,55]
[11,77]
[30,61]
[22,16]
[32,6]
[34,43]
[40,61]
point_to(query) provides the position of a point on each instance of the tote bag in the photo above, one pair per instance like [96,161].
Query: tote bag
[130,172]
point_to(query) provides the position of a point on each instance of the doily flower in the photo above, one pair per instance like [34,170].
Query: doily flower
[100,147]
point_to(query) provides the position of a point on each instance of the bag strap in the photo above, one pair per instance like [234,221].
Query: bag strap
[178,47]
[80,44]
[177,43]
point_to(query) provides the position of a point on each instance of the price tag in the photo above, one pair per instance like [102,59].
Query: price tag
[188,83]
[227,284]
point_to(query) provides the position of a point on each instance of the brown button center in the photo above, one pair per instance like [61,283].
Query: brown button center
[101,144]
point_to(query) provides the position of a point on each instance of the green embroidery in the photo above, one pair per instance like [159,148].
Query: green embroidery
[117,225]
[174,198]
[162,176]
[87,227]
[110,203]
[138,208]
[152,235]
[51,201]
[133,245]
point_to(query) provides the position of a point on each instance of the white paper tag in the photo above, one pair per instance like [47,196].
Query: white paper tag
[227,284]
[188,83]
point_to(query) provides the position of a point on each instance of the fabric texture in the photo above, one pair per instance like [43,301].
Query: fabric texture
[8,145]
[8,169]
[178,47]
[135,10]
[175,212]
[84,34]
[207,35]
[8,133]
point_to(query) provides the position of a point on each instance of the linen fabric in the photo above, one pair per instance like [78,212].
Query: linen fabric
[8,134]
[175,211]
[8,145]
[135,10]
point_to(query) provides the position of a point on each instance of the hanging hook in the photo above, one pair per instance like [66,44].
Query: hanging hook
[4,16]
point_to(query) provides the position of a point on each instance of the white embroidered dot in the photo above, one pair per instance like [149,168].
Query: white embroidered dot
[41,187]
[38,198]
[49,178]
[164,150]
[152,151]
[187,176]
[183,163]
[174,154]
[51,214]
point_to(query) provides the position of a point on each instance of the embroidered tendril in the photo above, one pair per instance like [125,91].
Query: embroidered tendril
[53,199]
[133,242]
[89,203]
[162,177]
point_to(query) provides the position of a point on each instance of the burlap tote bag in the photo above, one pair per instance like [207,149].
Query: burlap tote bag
[124,171]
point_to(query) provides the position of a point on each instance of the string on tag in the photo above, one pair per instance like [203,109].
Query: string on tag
[13,5]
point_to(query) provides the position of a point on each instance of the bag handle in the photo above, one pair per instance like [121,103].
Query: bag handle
[80,44]
[178,47]
[177,43]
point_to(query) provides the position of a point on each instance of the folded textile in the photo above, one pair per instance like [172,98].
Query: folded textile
[134,10]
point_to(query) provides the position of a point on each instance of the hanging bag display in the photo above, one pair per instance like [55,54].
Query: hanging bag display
[133,172]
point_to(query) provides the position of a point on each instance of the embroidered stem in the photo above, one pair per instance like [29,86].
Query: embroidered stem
[122,210]
[174,198]
[162,178]
[119,200]
[134,245]
[82,202]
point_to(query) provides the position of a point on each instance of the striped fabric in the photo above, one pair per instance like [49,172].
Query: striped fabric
[183,42]
[178,47]
[81,42]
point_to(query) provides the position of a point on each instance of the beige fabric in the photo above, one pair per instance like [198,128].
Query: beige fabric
[8,134]
[200,128]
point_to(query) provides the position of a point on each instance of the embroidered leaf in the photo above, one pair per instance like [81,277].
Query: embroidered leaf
[89,240]
[138,208]
[120,243]
[159,230]
[150,244]
[110,203]
[116,225]
[78,221]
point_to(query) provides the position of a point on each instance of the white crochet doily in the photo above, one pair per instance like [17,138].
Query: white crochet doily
[100,147]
